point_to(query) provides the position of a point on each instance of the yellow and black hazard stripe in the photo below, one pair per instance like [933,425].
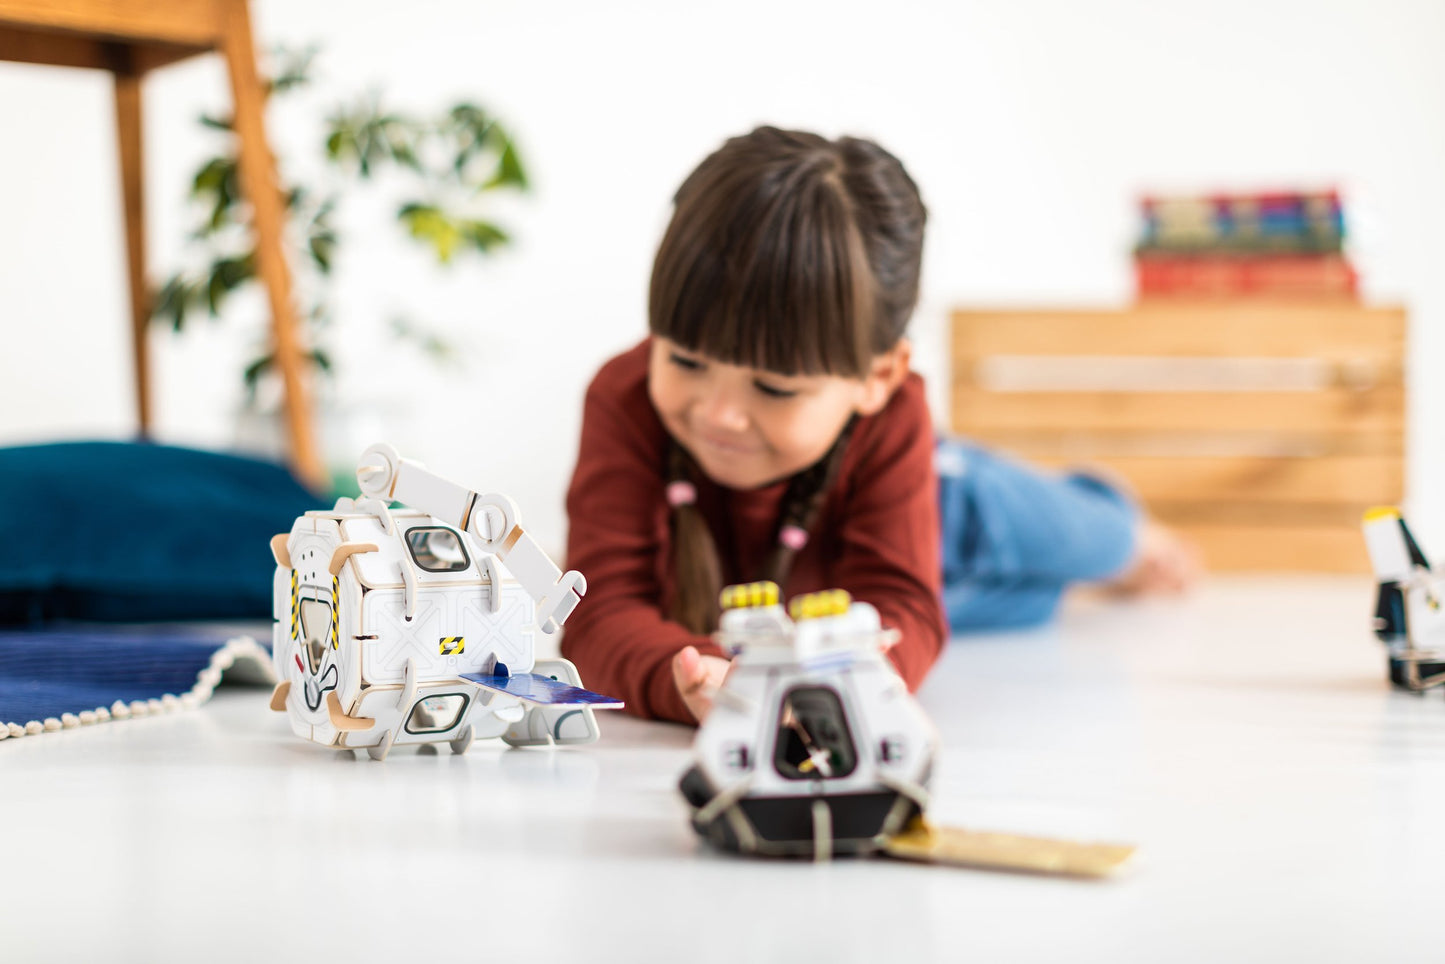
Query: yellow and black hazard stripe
[334,606]
[335,610]
[749,595]
[295,607]
[814,605]
[452,645]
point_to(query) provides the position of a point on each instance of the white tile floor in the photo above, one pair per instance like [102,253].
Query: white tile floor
[1287,804]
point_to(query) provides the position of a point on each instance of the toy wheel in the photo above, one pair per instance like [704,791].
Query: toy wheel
[463,741]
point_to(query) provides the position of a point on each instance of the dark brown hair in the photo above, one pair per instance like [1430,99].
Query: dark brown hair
[795,254]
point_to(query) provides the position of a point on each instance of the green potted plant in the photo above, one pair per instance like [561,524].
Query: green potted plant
[450,164]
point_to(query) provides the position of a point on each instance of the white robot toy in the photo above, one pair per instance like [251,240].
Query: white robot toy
[1409,619]
[401,625]
[814,745]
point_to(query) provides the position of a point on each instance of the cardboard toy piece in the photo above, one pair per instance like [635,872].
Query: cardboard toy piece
[814,747]
[386,617]
[1006,851]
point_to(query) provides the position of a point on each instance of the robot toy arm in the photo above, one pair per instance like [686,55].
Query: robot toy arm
[490,521]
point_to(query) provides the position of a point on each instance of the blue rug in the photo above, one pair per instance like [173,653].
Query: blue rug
[57,677]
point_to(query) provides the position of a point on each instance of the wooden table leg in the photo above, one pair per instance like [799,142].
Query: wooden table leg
[128,132]
[258,181]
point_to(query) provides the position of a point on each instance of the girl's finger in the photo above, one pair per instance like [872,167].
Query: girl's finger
[687,667]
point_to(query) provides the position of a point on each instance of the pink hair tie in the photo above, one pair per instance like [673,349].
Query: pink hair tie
[681,493]
[793,537]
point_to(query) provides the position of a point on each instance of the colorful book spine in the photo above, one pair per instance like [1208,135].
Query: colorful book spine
[1213,276]
[1298,223]
[1280,243]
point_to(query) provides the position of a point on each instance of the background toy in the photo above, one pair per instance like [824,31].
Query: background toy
[1408,616]
[814,746]
[401,626]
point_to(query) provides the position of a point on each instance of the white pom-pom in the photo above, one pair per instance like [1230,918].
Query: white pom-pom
[139,708]
[15,729]
[52,724]
[87,717]
[190,701]
[170,702]
[69,720]
[102,715]
[119,710]
[34,727]
[155,706]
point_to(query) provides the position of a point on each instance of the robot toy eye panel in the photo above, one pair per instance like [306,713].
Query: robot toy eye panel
[437,713]
[814,742]
[437,549]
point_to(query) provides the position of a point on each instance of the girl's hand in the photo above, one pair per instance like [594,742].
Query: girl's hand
[698,677]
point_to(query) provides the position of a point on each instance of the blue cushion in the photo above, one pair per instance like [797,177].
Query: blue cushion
[119,531]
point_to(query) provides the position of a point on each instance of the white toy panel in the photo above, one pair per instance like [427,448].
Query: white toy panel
[383,568]
[452,632]
[310,608]
[740,734]
[1425,610]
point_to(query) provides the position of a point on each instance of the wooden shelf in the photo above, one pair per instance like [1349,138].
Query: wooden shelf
[1262,429]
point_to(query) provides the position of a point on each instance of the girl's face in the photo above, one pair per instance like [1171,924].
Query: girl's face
[748,427]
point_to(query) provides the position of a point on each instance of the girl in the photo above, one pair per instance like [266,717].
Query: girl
[769,428]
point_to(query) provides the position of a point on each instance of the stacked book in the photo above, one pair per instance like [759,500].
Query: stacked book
[1287,243]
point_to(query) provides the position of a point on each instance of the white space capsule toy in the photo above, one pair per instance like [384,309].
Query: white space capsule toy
[814,745]
[398,626]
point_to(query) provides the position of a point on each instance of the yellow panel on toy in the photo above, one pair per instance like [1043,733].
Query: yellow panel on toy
[414,624]
[750,595]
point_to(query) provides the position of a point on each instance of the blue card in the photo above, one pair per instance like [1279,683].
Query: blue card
[543,690]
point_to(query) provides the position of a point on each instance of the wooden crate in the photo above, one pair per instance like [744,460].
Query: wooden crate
[1262,430]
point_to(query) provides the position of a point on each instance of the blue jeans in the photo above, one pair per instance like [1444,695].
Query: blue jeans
[1015,537]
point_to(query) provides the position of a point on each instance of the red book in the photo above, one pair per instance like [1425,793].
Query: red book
[1306,275]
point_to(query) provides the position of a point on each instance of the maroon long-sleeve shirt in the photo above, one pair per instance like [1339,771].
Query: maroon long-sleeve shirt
[877,537]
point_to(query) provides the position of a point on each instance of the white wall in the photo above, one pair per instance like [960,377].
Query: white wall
[1031,127]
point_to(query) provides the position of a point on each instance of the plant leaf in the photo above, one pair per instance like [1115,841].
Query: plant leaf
[509,171]
[255,370]
[170,302]
[482,235]
[427,223]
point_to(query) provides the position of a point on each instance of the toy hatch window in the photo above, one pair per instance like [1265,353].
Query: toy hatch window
[315,630]
[436,714]
[437,549]
[813,739]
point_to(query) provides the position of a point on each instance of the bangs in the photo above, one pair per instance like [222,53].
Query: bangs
[770,274]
